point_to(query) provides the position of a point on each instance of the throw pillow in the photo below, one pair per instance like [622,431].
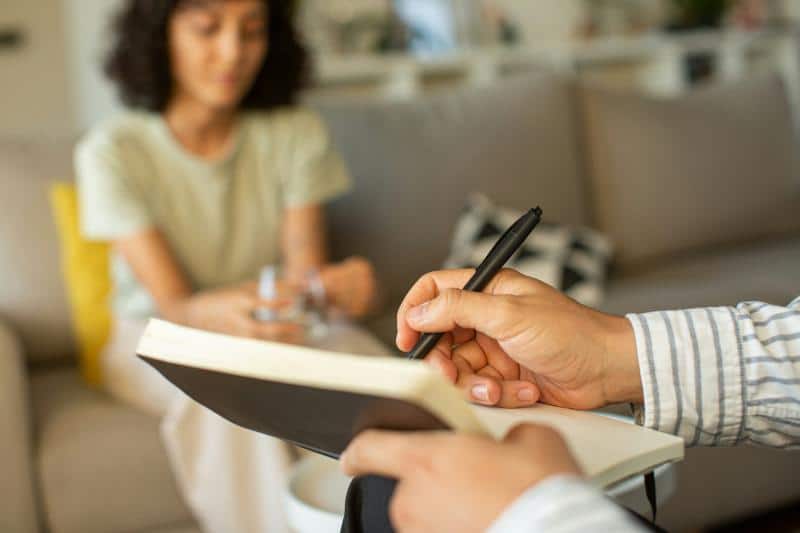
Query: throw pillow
[573,260]
[85,267]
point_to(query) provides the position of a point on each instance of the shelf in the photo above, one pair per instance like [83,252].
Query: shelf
[658,58]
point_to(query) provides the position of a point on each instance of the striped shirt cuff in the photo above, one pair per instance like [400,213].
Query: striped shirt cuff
[692,374]
[563,504]
[771,349]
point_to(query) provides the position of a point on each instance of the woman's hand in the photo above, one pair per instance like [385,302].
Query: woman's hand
[230,311]
[350,286]
[521,341]
[458,482]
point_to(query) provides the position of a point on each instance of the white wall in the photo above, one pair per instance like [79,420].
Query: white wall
[35,96]
[53,84]
[544,20]
[87,23]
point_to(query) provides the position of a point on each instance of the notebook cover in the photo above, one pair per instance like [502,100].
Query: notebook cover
[320,420]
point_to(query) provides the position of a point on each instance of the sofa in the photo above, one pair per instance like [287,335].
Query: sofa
[700,195]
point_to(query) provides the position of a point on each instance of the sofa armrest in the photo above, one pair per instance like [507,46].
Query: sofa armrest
[17,499]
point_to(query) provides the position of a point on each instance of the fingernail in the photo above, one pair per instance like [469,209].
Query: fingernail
[525,395]
[480,392]
[418,314]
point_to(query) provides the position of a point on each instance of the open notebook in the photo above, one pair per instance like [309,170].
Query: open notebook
[320,400]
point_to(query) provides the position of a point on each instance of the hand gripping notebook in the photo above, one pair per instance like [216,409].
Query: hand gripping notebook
[320,400]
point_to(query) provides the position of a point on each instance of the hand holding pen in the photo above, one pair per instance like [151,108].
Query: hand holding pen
[498,256]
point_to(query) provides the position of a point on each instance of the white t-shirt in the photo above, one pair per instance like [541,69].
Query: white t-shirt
[221,219]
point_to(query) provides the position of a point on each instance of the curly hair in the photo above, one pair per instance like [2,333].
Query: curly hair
[139,63]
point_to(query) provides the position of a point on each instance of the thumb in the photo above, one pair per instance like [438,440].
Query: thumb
[489,314]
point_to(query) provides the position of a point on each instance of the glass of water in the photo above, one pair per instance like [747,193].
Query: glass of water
[307,308]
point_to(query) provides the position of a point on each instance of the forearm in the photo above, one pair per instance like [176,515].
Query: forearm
[199,310]
[177,310]
[722,376]
[150,257]
[303,242]
[564,504]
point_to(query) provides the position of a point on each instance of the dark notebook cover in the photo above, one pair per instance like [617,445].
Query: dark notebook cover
[320,420]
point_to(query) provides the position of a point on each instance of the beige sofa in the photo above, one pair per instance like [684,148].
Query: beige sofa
[700,195]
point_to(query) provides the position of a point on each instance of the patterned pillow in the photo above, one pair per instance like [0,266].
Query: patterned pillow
[574,260]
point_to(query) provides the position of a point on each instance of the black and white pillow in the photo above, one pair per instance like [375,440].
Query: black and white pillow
[574,260]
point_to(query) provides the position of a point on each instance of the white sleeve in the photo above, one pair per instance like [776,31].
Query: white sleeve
[112,205]
[722,376]
[564,504]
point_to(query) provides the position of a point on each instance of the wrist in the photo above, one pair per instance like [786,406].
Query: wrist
[179,311]
[329,283]
[622,382]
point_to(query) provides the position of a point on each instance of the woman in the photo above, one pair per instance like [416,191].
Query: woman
[213,175]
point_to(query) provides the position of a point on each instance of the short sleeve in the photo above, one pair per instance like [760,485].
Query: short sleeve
[111,205]
[317,173]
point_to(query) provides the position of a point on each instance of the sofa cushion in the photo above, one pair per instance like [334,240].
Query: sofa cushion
[414,164]
[33,300]
[103,467]
[176,529]
[768,271]
[715,166]
[17,497]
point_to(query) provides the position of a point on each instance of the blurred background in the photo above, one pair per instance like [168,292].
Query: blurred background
[669,126]
[50,49]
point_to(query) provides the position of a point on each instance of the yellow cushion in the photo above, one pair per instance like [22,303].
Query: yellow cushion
[85,267]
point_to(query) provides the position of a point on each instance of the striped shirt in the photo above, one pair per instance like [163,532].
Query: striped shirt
[715,377]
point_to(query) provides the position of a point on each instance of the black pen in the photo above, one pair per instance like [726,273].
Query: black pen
[498,256]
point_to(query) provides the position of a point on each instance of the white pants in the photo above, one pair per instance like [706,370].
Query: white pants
[232,478]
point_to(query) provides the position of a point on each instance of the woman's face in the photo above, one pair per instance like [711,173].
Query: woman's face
[217,48]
